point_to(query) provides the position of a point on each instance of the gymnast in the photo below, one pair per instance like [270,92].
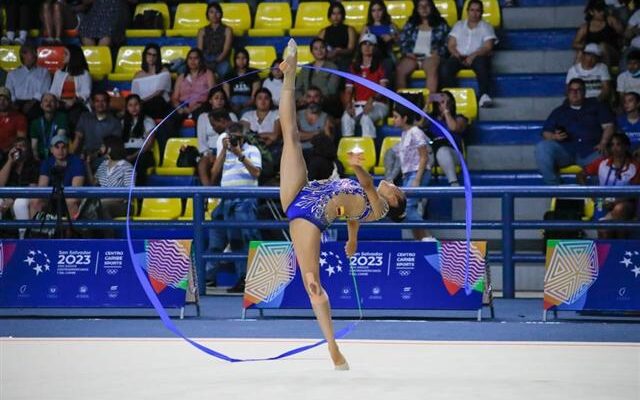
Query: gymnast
[311,206]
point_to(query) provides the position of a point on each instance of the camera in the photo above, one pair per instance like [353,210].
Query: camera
[234,141]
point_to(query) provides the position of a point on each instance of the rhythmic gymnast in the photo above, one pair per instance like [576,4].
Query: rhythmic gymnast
[311,206]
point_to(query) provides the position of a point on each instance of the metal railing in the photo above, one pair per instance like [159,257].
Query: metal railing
[507,225]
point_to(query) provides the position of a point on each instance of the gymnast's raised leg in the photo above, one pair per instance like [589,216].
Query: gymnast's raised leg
[305,235]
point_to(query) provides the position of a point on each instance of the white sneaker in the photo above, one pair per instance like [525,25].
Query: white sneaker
[485,101]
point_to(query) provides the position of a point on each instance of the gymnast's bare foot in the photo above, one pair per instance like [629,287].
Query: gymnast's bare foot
[340,363]
[291,62]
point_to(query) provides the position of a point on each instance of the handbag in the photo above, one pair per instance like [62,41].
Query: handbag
[188,157]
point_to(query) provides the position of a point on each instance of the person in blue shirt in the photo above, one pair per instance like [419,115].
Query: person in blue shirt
[629,121]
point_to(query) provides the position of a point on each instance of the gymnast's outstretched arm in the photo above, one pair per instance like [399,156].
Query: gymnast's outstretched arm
[366,181]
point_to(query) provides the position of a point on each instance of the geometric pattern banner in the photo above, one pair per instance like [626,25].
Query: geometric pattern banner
[273,267]
[592,275]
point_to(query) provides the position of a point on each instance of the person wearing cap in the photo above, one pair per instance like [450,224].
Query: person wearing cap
[50,124]
[362,105]
[28,83]
[594,73]
[72,170]
[12,124]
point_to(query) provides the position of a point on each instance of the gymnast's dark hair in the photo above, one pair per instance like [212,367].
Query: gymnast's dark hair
[399,212]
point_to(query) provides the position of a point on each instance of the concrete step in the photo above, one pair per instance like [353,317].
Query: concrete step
[501,158]
[532,61]
[542,17]
[520,108]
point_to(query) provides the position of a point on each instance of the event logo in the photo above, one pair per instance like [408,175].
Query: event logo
[38,261]
[406,293]
[52,292]
[23,289]
[112,293]
[632,259]
[83,289]
[622,295]
[332,262]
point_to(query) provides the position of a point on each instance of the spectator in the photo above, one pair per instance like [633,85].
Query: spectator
[192,87]
[237,164]
[312,121]
[594,74]
[64,166]
[274,81]
[136,128]
[72,83]
[339,37]
[105,23]
[379,23]
[208,141]
[264,121]
[470,44]
[424,44]
[12,124]
[362,105]
[20,18]
[632,32]
[416,160]
[575,133]
[328,83]
[3,77]
[629,80]
[241,92]
[444,111]
[50,124]
[59,15]
[153,83]
[619,169]
[93,127]
[19,170]
[114,171]
[215,40]
[629,122]
[601,28]
[28,83]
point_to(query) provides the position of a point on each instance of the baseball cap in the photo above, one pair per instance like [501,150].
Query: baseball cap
[593,48]
[5,92]
[59,138]
[369,37]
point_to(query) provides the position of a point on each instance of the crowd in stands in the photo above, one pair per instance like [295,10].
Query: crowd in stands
[65,120]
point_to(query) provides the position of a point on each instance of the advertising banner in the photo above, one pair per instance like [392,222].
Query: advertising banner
[389,275]
[592,275]
[91,273]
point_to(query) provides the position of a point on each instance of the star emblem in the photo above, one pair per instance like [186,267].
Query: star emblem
[29,260]
[322,262]
[627,253]
[38,261]
[636,271]
[330,270]
[38,269]
[626,261]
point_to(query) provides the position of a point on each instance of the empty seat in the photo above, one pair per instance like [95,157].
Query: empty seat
[272,19]
[51,57]
[491,12]
[261,57]
[163,9]
[463,73]
[161,208]
[188,19]
[466,102]
[171,154]
[128,62]
[449,11]
[210,205]
[588,210]
[237,17]
[311,17]
[99,61]
[10,57]
[348,144]
[400,11]
[387,143]
[356,13]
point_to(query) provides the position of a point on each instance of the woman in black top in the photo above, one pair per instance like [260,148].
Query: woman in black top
[339,37]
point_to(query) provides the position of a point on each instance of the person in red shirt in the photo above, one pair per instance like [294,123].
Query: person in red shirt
[619,169]
[12,123]
[363,105]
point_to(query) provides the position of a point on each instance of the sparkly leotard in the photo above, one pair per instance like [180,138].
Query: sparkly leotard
[311,202]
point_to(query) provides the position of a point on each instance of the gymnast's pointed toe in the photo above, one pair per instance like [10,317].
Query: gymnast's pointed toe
[342,367]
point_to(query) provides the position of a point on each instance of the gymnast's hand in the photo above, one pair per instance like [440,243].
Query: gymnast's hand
[350,248]
[355,159]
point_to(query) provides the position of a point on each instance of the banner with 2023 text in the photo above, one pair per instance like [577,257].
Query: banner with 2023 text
[389,275]
[91,273]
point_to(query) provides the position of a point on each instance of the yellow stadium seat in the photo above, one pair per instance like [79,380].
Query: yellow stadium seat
[347,144]
[272,19]
[449,11]
[261,57]
[424,91]
[491,12]
[400,11]
[466,102]
[310,18]
[10,57]
[571,169]
[356,14]
[162,8]
[589,207]
[99,61]
[387,143]
[463,73]
[170,53]
[163,209]
[188,19]
[128,62]
[170,159]
[209,206]
[237,17]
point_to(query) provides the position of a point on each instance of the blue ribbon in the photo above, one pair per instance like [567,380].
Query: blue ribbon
[153,298]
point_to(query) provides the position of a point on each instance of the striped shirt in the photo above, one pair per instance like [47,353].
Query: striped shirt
[234,173]
[118,175]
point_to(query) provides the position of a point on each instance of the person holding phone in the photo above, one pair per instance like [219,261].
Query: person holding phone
[423,42]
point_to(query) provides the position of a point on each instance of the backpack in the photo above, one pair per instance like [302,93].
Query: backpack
[149,19]
[188,157]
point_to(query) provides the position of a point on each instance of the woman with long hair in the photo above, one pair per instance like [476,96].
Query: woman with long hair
[379,23]
[241,92]
[153,83]
[136,127]
[340,37]
[72,83]
[215,41]
[601,28]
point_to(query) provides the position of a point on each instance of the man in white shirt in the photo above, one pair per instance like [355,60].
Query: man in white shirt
[629,80]
[594,74]
[28,83]
[470,43]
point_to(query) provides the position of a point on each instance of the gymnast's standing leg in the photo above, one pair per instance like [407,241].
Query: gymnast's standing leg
[305,235]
